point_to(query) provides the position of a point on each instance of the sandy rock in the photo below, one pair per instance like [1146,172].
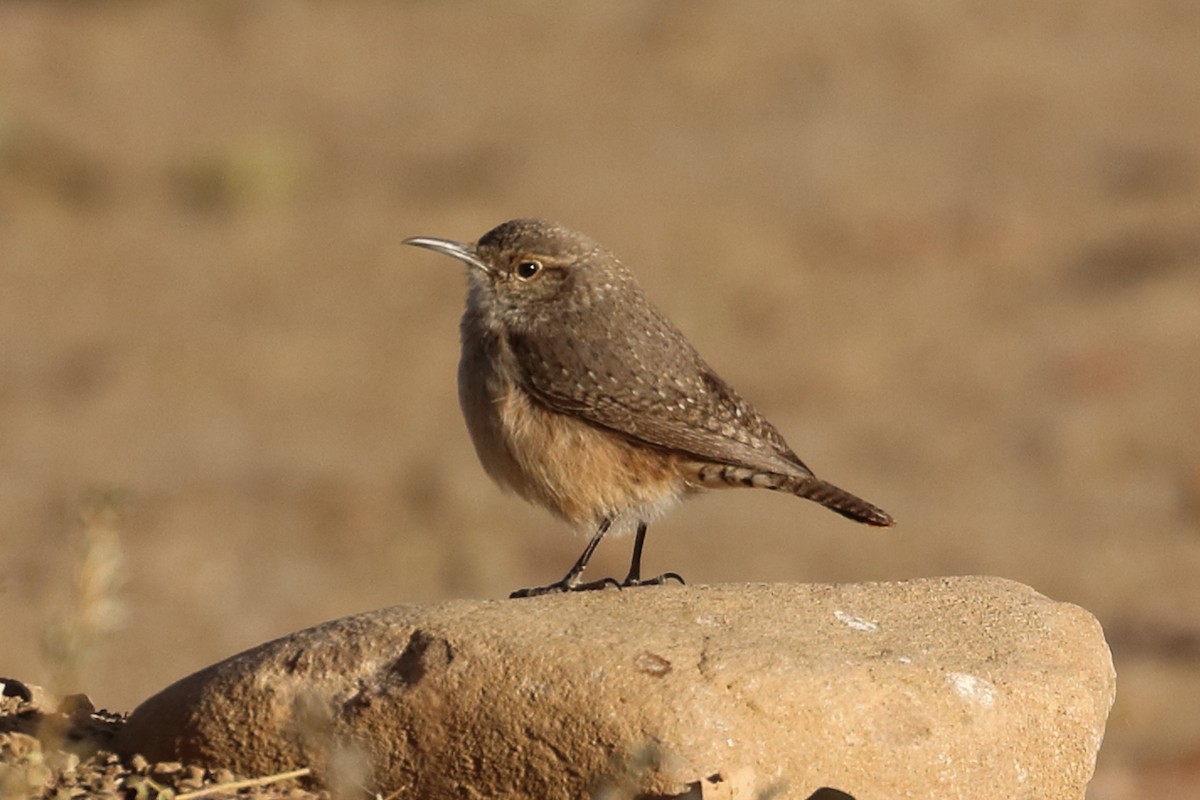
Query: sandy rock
[951,688]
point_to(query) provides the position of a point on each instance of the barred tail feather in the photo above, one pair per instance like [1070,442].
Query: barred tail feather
[840,501]
[807,486]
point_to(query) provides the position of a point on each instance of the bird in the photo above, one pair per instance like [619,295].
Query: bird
[583,398]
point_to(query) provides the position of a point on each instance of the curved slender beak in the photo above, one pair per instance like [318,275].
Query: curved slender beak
[448,247]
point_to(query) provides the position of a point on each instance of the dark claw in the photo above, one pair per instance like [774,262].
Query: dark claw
[565,586]
[659,581]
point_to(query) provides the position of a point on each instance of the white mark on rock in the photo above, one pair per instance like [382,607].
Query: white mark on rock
[856,623]
[904,660]
[974,689]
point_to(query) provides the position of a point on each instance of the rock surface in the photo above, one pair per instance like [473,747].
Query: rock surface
[952,688]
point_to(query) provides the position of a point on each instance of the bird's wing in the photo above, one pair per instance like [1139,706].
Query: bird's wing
[659,393]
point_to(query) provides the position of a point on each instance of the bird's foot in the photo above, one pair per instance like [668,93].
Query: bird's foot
[632,580]
[567,584]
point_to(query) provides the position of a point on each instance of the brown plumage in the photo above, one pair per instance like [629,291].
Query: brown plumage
[583,398]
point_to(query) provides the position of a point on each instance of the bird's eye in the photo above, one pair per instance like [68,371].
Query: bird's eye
[527,269]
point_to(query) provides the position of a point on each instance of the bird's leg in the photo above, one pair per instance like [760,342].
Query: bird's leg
[635,565]
[570,581]
[634,578]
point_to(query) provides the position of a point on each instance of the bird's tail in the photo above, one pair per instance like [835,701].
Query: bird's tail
[838,500]
[809,487]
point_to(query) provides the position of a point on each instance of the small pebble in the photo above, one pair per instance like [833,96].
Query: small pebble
[193,778]
[76,705]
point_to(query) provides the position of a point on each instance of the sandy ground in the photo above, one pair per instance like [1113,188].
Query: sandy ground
[952,250]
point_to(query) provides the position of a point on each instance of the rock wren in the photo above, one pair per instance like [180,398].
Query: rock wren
[584,399]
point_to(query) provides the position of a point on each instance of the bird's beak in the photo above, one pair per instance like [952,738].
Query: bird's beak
[463,252]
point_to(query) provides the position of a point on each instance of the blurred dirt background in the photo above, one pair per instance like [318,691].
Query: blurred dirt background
[951,249]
